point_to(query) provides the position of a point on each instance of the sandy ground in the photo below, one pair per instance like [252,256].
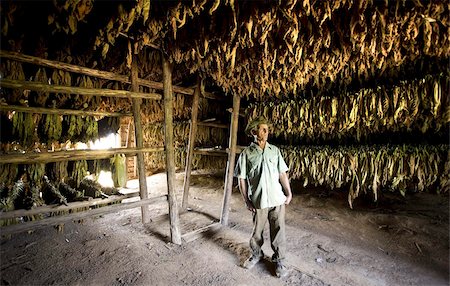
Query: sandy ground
[394,242]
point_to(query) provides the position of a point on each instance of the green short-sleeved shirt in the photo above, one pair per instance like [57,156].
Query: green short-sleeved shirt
[261,169]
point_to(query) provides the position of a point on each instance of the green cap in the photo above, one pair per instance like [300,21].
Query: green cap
[254,123]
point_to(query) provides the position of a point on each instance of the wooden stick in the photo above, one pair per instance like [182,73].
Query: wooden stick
[138,134]
[212,124]
[215,152]
[193,235]
[418,247]
[156,47]
[71,155]
[231,159]
[62,208]
[33,225]
[97,73]
[39,86]
[191,143]
[43,110]
[170,152]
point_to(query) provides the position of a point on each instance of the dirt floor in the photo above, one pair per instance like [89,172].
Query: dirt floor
[394,242]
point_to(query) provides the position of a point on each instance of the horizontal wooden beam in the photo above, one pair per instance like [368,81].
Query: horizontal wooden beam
[71,155]
[212,124]
[33,225]
[39,86]
[193,235]
[70,206]
[43,110]
[210,152]
[216,152]
[98,73]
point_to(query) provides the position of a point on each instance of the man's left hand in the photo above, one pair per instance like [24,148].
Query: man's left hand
[288,199]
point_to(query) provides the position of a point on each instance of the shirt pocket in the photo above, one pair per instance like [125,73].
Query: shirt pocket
[273,164]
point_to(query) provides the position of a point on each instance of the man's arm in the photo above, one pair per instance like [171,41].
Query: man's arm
[244,192]
[284,180]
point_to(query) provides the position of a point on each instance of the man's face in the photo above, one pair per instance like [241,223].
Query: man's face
[262,132]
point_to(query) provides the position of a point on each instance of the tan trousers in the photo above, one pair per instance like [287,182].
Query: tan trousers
[276,216]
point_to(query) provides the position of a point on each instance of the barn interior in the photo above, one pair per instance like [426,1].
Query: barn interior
[121,122]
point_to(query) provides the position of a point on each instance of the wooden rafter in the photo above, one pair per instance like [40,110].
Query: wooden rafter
[38,86]
[97,73]
[43,110]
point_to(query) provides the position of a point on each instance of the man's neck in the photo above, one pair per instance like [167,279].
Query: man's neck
[261,144]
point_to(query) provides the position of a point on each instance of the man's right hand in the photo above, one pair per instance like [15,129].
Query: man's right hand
[250,206]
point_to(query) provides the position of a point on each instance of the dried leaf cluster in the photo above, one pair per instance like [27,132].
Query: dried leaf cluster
[371,169]
[267,48]
[420,106]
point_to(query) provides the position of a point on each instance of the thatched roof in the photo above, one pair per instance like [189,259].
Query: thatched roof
[252,48]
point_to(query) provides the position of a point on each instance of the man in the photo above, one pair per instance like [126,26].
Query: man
[260,169]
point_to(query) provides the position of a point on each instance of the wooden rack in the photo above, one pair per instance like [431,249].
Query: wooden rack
[135,97]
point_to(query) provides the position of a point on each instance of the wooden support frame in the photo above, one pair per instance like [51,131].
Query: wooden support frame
[97,73]
[136,97]
[139,141]
[71,155]
[33,225]
[231,161]
[191,144]
[175,232]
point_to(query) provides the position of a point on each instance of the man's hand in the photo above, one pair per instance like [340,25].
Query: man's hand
[288,199]
[250,206]
[284,180]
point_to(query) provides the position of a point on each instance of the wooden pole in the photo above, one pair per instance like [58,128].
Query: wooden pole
[39,86]
[231,160]
[170,152]
[43,110]
[211,152]
[97,73]
[16,228]
[191,143]
[71,155]
[139,141]
[212,124]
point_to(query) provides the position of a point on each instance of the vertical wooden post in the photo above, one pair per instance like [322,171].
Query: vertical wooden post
[170,151]
[139,141]
[231,160]
[190,152]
